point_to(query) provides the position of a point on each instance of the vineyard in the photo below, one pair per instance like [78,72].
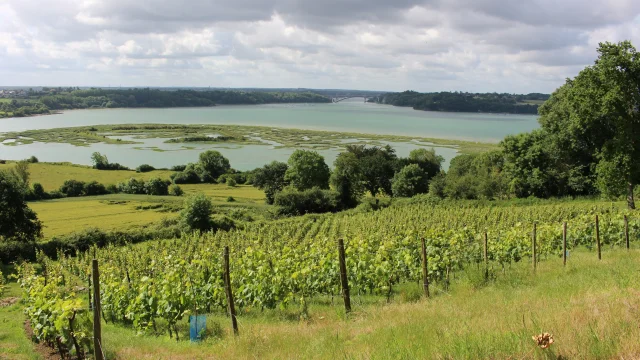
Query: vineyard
[283,264]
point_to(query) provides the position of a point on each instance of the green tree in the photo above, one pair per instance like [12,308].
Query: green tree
[410,181]
[270,178]
[307,170]
[347,179]
[17,220]
[196,214]
[428,160]
[378,167]
[99,161]
[214,164]
[156,186]
[22,172]
[599,111]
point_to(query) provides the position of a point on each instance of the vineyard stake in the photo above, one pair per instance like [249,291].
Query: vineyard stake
[598,238]
[89,291]
[425,273]
[533,247]
[343,277]
[486,256]
[564,243]
[227,287]
[626,231]
[97,326]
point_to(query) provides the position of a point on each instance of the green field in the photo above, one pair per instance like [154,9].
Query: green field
[120,211]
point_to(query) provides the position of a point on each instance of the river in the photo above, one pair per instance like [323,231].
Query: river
[347,116]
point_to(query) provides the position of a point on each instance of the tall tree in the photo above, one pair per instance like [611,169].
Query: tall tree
[214,163]
[270,178]
[602,110]
[307,170]
[347,179]
[17,220]
[378,166]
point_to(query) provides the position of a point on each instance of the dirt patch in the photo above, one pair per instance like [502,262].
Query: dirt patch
[45,352]
[8,301]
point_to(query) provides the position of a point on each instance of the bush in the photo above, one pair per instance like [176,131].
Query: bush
[231,199]
[17,250]
[145,168]
[315,200]
[231,182]
[189,175]
[157,186]
[72,188]
[178,168]
[196,214]
[32,160]
[221,222]
[112,189]
[437,185]
[38,191]
[56,194]
[132,186]
[175,190]
[94,188]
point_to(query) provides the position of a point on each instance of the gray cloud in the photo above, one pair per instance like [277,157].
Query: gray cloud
[428,45]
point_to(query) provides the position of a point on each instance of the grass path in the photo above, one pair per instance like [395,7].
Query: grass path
[14,344]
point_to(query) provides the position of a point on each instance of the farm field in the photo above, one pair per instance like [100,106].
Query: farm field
[120,211]
[287,291]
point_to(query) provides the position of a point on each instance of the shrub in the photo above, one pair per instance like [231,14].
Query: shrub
[175,190]
[72,188]
[94,188]
[17,250]
[178,168]
[32,160]
[132,186]
[145,168]
[231,182]
[56,194]
[188,176]
[437,186]
[112,189]
[157,186]
[38,192]
[231,199]
[196,214]
[315,200]
[221,222]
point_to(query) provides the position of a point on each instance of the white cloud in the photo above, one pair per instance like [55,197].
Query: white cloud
[426,45]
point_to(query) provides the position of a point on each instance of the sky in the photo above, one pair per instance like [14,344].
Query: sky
[390,45]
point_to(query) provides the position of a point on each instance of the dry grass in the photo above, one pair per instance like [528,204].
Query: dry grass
[592,308]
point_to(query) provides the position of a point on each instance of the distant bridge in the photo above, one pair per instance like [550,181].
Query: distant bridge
[342,98]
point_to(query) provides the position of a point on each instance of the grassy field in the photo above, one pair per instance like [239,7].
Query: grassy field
[119,211]
[52,176]
[591,307]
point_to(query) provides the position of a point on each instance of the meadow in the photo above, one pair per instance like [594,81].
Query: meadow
[120,211]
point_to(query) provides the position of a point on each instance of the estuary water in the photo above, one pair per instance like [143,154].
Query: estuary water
[352,115]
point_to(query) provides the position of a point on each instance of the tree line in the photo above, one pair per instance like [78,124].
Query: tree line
[465,102]
[43,102]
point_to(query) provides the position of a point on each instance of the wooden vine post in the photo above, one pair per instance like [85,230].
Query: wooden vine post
[227,288]
[598,238]
[343,276]
[425,268]
[564,243]
[533,248]
[626,231]
[486,256]
[97,326]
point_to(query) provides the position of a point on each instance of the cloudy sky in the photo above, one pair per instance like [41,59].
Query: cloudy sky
[428,45]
